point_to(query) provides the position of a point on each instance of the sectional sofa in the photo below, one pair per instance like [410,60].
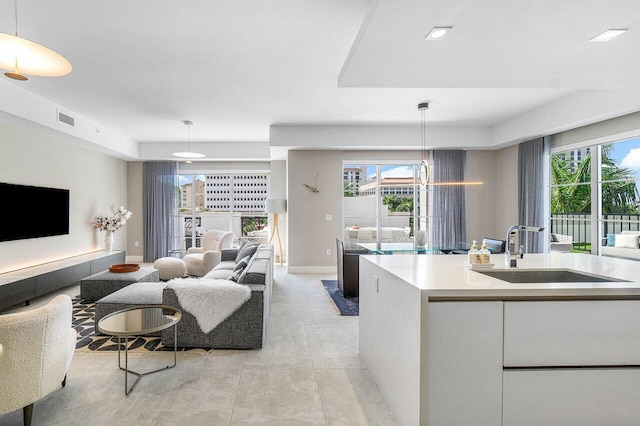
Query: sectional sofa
[246,327]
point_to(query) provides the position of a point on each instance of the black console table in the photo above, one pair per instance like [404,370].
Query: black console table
[22,285]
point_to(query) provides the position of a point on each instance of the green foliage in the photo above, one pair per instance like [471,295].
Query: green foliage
[398,204]
[571,189]
[348,189]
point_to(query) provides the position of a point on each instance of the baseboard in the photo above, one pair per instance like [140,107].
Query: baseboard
[311,269]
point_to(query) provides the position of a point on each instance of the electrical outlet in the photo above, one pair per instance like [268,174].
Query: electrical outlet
[328,252]
[136,244]
[328,217]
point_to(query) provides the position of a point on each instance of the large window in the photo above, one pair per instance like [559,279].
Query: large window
[229,201]
[383,203]
[594,192]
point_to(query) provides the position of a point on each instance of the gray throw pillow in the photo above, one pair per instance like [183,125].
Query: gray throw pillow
[235,275]
[247,250]
[242,263]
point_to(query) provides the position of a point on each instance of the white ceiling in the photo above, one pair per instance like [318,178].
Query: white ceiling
[235,67]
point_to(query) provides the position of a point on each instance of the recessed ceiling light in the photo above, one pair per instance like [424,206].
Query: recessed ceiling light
[437,33]
[608,35]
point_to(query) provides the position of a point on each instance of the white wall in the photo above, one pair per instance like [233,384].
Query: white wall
[278,190]
[95,182]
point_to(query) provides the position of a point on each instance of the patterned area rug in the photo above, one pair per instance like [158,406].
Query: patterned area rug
[348,306]
[88,341]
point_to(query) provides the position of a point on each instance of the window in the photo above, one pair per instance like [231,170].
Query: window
[231,201]
[382,202]
[596,195]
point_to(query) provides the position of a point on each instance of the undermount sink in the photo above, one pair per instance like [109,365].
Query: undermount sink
[526,276]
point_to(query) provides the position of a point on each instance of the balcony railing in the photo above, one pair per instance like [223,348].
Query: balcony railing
[578,225]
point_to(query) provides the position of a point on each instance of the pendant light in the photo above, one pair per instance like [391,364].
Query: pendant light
[188,154]
[23,57]
[423,175]
[425,170]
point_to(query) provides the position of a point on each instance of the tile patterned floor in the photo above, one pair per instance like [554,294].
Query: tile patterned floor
[309,372]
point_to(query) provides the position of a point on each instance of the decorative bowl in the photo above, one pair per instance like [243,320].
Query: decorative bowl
[124,267]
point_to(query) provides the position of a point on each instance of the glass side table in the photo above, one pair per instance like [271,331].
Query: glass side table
[138,320]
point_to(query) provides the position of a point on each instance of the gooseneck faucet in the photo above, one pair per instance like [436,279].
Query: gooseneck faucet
[511,256]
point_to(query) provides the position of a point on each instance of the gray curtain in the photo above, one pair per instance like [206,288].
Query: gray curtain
[531,193]
[449,221]
[159,205]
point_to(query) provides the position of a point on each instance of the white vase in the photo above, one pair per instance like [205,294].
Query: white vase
[109,238]
[421,238]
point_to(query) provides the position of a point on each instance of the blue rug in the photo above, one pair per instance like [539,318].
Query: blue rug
[348,306]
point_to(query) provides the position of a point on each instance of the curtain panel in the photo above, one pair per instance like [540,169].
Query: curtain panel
[159,198]
[532,175]
[449,220]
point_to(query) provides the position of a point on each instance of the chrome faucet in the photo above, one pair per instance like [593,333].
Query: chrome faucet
[511,256]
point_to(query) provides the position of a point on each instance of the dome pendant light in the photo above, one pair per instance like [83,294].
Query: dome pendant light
[188,154]
[22,57]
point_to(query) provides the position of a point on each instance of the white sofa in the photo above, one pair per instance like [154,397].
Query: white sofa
[623,252]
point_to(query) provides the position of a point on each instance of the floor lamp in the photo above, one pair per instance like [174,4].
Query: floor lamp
[276,206]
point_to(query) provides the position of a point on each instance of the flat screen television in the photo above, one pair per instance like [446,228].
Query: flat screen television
[35,212]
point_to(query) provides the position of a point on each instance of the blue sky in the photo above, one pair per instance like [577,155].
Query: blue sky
[394,170]
[627,154]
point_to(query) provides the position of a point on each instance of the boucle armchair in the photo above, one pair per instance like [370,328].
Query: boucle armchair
[37,348]
[200,260]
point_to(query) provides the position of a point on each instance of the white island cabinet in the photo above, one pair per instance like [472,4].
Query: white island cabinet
[450,346]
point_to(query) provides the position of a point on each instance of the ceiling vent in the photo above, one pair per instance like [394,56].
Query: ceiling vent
[64,118]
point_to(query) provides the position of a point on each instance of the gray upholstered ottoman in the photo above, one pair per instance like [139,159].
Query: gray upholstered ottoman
[104,283]
[144,293]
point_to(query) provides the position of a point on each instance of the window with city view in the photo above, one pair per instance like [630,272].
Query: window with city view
[230,201]
[594,192]
[381,203]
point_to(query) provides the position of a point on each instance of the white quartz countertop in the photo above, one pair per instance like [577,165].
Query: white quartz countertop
[445,277]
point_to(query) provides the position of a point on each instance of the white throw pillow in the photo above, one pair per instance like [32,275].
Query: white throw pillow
[626,241]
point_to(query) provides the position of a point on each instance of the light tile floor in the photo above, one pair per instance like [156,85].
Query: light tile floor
[308,372]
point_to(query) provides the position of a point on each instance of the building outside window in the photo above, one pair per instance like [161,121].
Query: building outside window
[222,201]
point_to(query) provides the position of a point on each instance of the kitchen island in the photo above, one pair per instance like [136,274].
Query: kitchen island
[448,345]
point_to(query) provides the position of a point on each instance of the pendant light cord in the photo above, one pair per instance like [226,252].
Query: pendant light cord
[423,132]
[15,9]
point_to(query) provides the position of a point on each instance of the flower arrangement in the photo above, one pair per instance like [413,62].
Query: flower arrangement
[113,223]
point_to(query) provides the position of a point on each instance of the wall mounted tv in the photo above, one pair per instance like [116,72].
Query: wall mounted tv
[35,212]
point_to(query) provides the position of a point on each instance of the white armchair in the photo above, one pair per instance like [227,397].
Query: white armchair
[200,260]
[37,348]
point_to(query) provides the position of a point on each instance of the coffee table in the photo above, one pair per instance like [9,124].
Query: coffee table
[136,321]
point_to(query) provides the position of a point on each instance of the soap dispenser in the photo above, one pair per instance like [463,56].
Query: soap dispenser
[485,255]
[474,254]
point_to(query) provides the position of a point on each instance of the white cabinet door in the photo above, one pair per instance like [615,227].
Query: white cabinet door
[464,363]
[563,397]
[572,333]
